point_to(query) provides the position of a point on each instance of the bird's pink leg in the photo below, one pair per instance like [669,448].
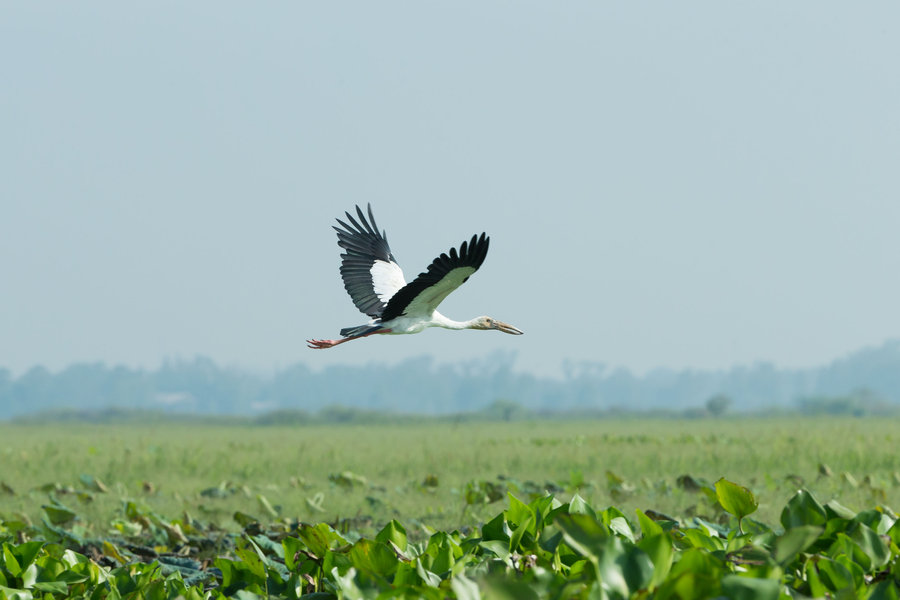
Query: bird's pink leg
[323,344]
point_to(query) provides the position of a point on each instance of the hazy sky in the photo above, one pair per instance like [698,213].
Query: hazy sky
[681,184]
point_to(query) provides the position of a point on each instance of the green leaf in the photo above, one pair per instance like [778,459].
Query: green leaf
[736,587]
[374,558]
[11,594]
[58,514]
[871,544]
[794,541]
[577,506]
[319,538]
[465,588]
[735,499]
[395,533]
[516,538]
[583,533]
[52,587]
[10,561]
[661,552]
[649,527]
[803,509]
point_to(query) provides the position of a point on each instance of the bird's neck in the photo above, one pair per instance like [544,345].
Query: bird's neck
[440,320]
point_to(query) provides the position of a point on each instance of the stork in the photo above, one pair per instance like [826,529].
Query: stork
[376,285]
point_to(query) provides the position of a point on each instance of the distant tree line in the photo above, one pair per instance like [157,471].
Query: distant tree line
[866,382]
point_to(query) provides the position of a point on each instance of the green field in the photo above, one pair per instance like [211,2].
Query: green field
[421,473]
[761,509]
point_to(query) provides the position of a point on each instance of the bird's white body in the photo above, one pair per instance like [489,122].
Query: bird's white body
[417,324]
[376,284]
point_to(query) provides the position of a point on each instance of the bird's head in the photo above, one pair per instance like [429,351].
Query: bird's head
[489,323]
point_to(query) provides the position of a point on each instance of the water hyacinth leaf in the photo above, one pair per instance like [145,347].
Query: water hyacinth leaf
[518,512]
[92,483]
[430,579]
[835,576]
[13,594]
[52,587]
[836,510]
[620,526]
[58,514]
[465,588]
[373,558]
[631,563]
[803,509]
[583,533]
[395,533]
[24,554]
[10,561]
[871,544]
[735,499]
[577,505]
[516,538]
[648,526]
[736,587]
[507,589]
[885,590]
[794,541]
[319,538]
[661,553]
[496,529]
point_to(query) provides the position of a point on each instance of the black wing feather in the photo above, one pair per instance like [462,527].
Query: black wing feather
[363,245]
[471,254]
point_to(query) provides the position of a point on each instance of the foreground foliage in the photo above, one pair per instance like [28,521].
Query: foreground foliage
[543,548]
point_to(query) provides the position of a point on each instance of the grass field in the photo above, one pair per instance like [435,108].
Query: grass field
[438,475]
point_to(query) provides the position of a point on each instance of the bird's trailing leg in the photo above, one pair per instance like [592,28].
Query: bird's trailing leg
[323,344]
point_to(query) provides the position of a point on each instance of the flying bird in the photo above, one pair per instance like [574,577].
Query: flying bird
[376,285]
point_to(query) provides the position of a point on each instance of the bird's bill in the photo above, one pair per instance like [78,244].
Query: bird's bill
[507,328]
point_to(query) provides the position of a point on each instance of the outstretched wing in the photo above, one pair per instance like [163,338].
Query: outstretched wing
[446,273]
[370,273]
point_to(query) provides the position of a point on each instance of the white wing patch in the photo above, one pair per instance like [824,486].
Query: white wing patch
[429,299]
[387,278]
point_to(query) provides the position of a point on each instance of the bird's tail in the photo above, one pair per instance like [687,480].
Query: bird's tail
[359,330]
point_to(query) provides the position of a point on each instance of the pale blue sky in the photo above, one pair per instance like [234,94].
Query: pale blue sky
[691,184]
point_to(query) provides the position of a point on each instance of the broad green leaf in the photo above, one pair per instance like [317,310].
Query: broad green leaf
[319,538]
[736,587]
[659,549]
[794,541]
[374,558]
[649,527]
[518,512]
[52,587]
[620,526]
[58,514]
[496,529]
[735,499]
[13,594]
[92,483]
[430,579]
[393,532]
[803,509]
[885,590]
[871,544]
[630,563]
[465,588]
[10,561]
[577,506]
[583,533]
[516,538]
